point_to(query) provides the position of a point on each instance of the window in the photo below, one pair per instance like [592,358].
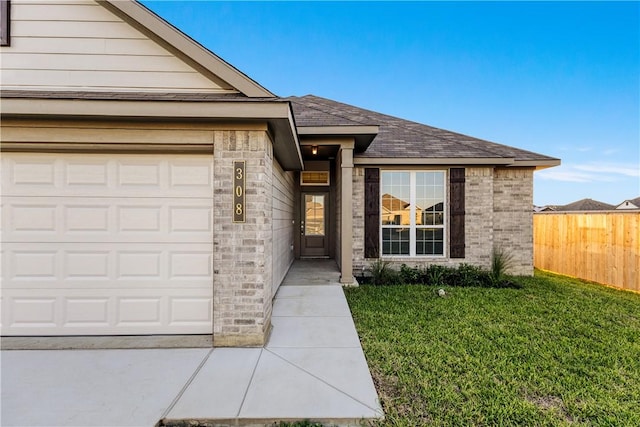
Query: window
[5,22]
[314,178]
[412,213]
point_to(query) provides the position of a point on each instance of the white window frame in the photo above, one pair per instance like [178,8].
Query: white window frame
[412,215]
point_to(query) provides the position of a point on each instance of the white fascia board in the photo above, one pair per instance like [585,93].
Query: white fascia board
[25,107]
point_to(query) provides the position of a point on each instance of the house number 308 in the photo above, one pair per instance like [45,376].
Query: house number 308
[238,191]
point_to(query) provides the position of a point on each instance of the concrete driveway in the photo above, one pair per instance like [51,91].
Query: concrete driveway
[312,368]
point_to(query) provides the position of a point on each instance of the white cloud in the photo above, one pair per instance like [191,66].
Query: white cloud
[590,172]
[621,169]
[611,151]
[563,175]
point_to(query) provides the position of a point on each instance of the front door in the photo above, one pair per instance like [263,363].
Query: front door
[314,226]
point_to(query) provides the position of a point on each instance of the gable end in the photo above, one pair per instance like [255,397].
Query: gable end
[184,47]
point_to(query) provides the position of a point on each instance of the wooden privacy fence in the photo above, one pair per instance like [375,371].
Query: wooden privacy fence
[603,247]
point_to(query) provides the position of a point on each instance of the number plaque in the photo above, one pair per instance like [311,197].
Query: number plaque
[239,181]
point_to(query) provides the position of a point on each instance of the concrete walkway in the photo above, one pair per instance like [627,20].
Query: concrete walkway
[312,368]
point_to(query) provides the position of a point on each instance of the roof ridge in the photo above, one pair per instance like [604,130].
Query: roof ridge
[324,110]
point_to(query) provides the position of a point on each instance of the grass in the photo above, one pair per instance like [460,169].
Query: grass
[556,352]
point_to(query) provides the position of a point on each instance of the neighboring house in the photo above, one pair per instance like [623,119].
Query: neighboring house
[586,205]
[149,188]
[546,208]
[630,204]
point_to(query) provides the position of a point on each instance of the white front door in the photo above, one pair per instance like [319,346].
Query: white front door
[106,244]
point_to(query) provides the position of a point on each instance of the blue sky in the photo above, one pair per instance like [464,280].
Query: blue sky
[561,79]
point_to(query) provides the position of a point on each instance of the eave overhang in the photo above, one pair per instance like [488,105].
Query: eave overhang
[538,164]
[278,116]
[455,161]
[363,135]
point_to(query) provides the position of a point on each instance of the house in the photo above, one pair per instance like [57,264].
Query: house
[546,208]
[586,205]
[151,189]
[630,204]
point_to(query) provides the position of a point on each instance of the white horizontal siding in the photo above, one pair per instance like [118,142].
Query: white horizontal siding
[283,227]
[63,11]
[61,45]
[72,29]
[91,62]
[112,48]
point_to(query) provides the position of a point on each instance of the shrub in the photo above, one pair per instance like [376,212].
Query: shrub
[382,273]
[303,423]
[435,275]
[464,275]
[500,263]
[410,275]
[475,274]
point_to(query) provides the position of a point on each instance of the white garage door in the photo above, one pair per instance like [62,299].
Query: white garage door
[106,244]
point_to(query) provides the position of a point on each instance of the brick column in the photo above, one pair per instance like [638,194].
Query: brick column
[346,213]
[242,251]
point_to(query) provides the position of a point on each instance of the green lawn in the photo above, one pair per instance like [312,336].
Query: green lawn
[556,352]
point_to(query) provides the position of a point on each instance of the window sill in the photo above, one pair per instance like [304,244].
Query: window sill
[412,258]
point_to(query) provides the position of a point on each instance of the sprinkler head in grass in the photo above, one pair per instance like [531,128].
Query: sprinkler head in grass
[441,292]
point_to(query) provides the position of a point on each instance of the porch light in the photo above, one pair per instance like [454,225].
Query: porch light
[314,150]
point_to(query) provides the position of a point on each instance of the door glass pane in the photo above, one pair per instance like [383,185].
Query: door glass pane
[314,215]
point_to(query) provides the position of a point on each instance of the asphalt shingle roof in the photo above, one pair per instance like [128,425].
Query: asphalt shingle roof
[397,138]
[401,138]
[586,205]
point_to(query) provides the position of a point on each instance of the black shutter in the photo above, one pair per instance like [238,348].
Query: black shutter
[372,213]
[456,213]
[5,22]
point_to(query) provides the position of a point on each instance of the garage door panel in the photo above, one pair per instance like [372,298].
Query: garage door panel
[106,244]
[86,312]
[26,171]
[85,265]
[59,219]
[107,311]
[183,176]
[33,312]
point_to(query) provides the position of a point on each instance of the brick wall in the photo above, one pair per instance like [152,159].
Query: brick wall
[513,216]
[242,253]
[498,211]
[479,218]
